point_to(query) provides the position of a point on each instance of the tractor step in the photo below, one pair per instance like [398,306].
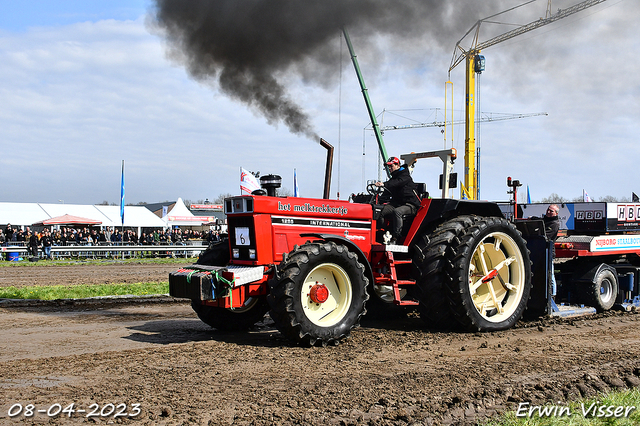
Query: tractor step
[386,280]
[406,303]
[387,262]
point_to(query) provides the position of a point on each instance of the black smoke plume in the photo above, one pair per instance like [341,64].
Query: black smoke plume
[248,46]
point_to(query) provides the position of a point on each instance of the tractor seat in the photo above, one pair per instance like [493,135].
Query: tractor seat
[421,190]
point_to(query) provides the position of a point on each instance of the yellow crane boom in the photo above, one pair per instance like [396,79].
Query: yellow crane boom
[487,117]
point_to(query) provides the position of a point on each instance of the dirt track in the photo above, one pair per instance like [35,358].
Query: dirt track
[117,272]
[159,355]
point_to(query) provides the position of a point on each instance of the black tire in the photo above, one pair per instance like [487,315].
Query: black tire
[431,253]
[603,292]
[217,254]
[238,319]
[490,275]
[328,265]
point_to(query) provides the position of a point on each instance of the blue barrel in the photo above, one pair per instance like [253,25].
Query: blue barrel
[13,256]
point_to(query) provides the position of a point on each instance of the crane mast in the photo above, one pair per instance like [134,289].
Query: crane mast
[475,65]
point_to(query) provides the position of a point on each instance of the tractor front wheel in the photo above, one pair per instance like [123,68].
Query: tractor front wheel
[320,295]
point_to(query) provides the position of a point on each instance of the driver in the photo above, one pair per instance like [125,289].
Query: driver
[404,199]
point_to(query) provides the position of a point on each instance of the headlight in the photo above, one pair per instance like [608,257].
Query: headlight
[252,254]
[236,253]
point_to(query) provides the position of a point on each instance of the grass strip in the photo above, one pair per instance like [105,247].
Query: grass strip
[615,408]
[82,291]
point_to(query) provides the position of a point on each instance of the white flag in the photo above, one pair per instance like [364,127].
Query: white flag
[586,197]
[248,182]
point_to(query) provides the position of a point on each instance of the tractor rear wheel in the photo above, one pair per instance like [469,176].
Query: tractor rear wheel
[473,271]
[431,253]
[490,275]
[320,294]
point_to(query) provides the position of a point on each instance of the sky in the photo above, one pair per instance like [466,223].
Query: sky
[85,85]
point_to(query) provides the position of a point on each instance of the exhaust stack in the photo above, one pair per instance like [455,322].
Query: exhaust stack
[327,172]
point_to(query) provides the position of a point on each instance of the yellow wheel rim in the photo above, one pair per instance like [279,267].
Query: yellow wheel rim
[496,277]
[334,309]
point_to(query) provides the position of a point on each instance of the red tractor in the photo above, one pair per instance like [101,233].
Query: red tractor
[316,265]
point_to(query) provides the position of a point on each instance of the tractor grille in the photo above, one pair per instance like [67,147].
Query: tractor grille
[242,236]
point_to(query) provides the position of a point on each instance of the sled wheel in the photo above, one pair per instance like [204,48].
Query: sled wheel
[320,296]
[490,276]
[431,254]
[237,319]
[603,292]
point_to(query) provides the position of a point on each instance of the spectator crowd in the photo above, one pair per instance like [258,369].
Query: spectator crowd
[46,238]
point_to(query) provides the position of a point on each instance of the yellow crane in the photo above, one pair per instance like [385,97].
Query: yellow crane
[475,65]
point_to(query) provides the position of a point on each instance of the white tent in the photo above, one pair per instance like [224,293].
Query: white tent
[21,214]
[134,216]
[25,214]
[181,216]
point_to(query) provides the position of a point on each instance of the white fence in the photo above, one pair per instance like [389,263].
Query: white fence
[15,251]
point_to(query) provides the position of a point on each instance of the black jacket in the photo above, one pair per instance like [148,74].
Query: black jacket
[551,226]
[46,241]
[402,188]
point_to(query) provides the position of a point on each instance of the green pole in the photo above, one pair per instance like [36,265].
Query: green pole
[367,101]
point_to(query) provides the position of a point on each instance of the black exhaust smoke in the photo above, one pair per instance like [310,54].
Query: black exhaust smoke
[250,46]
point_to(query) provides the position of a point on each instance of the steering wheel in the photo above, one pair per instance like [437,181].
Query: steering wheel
[372,189]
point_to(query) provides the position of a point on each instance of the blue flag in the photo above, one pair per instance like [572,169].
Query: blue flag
[296,190]
[528,195]
[122,195]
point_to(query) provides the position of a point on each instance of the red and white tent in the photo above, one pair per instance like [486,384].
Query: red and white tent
[181,216]
[67,219]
